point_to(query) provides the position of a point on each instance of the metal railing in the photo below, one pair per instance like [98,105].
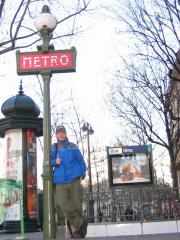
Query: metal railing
[134,204]
[131,204]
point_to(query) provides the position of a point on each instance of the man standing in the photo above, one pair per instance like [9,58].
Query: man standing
[69,170]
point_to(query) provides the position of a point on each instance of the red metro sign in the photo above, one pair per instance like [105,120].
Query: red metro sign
[55,61]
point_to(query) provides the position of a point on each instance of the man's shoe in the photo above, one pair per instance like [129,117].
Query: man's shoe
[81,233]
[83,228]
[77,234]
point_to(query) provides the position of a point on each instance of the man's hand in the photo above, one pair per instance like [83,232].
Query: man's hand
[82,178]
[58,161]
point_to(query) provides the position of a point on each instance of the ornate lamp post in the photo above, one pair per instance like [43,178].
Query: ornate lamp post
[45,62]
[88,129]
[45,24]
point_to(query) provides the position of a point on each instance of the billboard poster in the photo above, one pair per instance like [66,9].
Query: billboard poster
[13,174]
[2,158]
[31,173]
[13,159]
[130,165]
[10,200]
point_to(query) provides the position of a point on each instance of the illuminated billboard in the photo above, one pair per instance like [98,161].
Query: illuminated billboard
[130,165]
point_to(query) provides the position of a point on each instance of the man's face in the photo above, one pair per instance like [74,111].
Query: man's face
[60,135]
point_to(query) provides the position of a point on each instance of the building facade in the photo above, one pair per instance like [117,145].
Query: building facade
[174,99]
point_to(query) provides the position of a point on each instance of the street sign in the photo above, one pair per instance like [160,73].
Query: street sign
[29,63]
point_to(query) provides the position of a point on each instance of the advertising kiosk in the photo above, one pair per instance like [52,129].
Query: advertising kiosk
[18,132]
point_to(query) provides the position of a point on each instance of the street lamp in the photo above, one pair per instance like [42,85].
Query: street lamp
[45,24]
[46,61]
[88,129]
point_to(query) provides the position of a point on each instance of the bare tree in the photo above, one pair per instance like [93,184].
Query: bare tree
[17,21]
[68,112]
[18,31]
[140,92]
[154,25]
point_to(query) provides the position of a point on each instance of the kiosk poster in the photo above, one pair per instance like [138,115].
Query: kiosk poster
[13,174]
[130,165]
[13,160]
[31,174]
[2,158]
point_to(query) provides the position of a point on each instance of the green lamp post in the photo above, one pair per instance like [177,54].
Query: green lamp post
[46,61]
[45,24]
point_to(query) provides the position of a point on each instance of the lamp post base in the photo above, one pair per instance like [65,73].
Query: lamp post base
[49,226]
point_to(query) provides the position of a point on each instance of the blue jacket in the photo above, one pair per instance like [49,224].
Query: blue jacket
[72,163]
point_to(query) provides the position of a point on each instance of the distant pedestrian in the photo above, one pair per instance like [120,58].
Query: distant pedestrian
[100,216]
[129,213]
[114,214]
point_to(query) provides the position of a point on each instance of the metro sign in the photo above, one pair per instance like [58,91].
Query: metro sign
[59,61]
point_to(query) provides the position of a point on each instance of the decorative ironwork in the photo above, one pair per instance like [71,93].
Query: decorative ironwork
[134,204]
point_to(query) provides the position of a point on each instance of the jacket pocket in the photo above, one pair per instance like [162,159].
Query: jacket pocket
[59,174]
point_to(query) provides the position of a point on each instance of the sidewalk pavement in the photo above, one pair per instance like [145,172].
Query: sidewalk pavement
[39,236]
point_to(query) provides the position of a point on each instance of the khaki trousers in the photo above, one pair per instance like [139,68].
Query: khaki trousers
[69,198]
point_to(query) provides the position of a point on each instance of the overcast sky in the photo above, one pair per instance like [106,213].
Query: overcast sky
[98,55]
